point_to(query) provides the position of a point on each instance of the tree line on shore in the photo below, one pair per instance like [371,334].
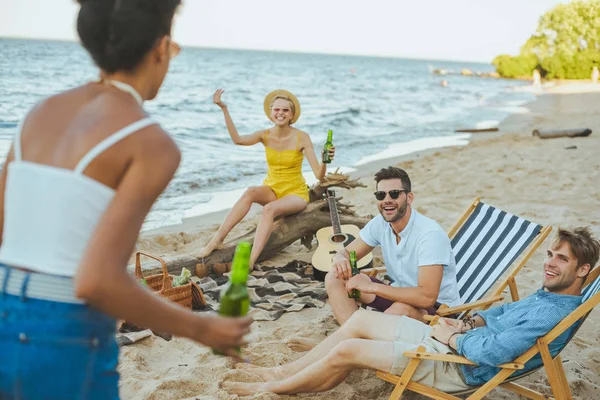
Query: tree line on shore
[566,45]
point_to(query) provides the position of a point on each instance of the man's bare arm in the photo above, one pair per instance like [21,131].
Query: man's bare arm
[341,261]
[422,296]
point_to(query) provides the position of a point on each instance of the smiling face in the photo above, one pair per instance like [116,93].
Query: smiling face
[282,112]
[393,210]
[561,270]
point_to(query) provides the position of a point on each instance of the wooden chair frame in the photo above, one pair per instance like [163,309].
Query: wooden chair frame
[554,367]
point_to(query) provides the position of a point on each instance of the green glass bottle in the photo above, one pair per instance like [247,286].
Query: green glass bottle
[328,145]
[235,301]
[354,293]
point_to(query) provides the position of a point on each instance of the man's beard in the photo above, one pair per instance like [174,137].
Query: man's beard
[400,213]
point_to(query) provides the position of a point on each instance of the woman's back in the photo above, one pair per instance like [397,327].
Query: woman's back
[81,176]
[67,162]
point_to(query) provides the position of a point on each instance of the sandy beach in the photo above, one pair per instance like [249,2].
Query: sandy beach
[553,181]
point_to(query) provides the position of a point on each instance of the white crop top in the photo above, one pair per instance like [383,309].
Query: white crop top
[50,213]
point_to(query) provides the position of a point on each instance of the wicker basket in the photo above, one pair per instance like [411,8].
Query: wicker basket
[154,282]
[162,284]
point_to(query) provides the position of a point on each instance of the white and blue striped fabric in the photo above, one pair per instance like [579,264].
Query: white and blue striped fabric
[588,292]
[591,289]
[485,247]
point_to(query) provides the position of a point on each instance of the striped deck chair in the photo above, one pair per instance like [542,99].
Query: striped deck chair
[486,241]
[552,363]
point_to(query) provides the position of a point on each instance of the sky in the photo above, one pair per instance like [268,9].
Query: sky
[462,30]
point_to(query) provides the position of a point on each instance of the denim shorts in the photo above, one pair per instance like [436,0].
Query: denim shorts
[51,350]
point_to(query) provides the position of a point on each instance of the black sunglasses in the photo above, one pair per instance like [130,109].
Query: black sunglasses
[394,194]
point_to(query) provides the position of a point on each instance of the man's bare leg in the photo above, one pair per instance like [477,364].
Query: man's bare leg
[343,306]
[362,324]
[327,372]
[407,310]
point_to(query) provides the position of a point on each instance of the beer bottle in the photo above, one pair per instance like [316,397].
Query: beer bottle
[328,145]
[354,293]
[235,301]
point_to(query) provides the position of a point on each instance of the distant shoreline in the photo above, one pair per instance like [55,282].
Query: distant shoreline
[365,171]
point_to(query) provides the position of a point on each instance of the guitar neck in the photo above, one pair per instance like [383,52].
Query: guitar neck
[333,214]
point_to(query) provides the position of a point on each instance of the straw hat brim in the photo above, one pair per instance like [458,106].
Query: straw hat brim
[280,92]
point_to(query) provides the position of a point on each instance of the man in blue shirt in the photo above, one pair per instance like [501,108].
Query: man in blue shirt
[416,252]
[493,337]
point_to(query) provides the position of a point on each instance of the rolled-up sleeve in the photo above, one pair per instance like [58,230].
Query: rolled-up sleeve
[492,312]
[495,349]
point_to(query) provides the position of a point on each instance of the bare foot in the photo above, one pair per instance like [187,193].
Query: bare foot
[242,388]
[266,374]
[209,248]
[300,344]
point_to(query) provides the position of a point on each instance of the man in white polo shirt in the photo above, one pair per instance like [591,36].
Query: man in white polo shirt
[416,252]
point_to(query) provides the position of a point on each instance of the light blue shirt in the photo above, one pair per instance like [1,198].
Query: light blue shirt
[512,329]
[422,243]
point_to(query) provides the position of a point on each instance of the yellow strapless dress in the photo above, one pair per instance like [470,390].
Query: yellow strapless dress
[285,171]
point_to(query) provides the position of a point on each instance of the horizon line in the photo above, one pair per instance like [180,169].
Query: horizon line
[385,56]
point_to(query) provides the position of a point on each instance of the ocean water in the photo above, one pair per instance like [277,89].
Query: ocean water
[377,107]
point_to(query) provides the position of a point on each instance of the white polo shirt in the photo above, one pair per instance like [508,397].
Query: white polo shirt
[422,243]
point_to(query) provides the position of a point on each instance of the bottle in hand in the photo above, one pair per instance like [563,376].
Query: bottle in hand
[354,293]
[328,145]
[235,301]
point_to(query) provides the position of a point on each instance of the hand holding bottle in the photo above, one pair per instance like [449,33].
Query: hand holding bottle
[353,292]
[226,334]
[235,301]
[328,148]
[331,155]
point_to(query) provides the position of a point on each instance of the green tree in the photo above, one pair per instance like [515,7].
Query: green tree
[566,44]
[515,67]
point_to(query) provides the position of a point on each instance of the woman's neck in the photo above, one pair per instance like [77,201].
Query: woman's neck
[282,131]
[139,83]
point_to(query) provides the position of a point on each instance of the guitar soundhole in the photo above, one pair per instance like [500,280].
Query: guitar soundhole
[342,238]
[339,238]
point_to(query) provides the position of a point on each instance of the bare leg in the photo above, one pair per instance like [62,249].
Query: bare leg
[408,310]
[343,306]
[363,324]
[290,204]
[327,372]
[364,341]
[256,194]
[302,344]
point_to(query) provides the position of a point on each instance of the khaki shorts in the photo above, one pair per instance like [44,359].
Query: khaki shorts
[443,376]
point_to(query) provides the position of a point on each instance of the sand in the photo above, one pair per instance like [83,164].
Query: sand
[553,181]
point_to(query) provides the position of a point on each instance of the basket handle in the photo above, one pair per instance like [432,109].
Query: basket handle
[138,265]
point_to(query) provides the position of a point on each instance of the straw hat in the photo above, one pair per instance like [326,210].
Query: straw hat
[283,93]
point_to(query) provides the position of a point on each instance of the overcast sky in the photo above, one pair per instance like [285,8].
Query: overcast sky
[471,30]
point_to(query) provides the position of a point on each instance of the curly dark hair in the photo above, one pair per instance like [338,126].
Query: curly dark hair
[119,33]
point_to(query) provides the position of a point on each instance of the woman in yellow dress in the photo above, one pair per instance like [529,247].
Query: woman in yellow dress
[284,191]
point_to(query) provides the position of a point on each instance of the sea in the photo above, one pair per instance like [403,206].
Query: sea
[377,108]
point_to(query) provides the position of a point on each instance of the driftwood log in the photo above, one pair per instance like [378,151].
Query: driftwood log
[286,230]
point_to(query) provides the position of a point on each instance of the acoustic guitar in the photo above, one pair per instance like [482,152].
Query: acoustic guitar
[334,238]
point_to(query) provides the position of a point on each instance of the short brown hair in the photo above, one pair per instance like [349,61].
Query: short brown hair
[393,173]
[584,245]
